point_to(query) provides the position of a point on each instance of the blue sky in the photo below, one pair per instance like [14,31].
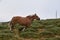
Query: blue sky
[45,9]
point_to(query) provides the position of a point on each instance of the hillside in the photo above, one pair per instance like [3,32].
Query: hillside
[40,30]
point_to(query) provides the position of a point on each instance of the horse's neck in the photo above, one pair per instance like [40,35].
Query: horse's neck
[31,19]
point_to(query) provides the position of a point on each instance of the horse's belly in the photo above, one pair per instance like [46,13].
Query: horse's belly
[25,23]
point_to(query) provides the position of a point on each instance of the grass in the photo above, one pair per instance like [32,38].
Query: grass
[40,30]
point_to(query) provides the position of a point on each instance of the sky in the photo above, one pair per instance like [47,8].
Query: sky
[45,9]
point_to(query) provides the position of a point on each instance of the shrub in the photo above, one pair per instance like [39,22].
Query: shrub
[55,30]
[46,34]
[52,38]
[29,35]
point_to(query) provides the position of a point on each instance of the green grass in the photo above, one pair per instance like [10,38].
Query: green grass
[51,29]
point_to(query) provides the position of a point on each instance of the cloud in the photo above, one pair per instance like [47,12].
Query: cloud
[44,8]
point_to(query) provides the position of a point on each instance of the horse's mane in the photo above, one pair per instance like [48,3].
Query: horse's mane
[29,15]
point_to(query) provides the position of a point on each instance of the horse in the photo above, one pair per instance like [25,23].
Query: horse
[24,21]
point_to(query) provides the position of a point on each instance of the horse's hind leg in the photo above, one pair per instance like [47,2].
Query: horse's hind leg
[11,28]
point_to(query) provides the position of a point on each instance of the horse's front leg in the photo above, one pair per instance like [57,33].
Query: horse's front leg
[21,29]
[24,28]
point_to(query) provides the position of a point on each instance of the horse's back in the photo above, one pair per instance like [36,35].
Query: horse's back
[24,21]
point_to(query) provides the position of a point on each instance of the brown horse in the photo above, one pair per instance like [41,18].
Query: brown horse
[25,21]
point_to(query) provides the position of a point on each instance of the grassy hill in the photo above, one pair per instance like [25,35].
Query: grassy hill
[40,30]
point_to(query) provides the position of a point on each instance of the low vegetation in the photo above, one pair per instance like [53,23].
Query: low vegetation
[40,30]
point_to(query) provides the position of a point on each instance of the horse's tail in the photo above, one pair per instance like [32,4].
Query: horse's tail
[10,24]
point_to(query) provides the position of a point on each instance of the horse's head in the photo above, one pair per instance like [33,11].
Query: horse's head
[35,17]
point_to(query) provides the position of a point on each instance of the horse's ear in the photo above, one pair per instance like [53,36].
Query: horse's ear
[35,14]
